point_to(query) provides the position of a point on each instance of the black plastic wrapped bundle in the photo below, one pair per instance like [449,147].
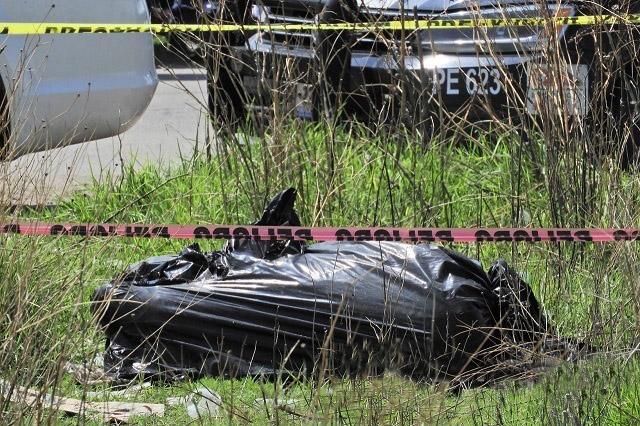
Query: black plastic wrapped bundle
[256,308]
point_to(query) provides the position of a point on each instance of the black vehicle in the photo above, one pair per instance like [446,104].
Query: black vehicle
[184,12]
[160,11]
[181,11]
[427,75]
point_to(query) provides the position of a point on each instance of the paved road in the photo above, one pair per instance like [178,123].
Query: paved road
[173,124]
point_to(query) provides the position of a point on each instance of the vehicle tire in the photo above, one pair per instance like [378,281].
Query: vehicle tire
[622,96]
[226,96]
[332,61]
[629,115]
[623,46]
[615,68]
[5,123]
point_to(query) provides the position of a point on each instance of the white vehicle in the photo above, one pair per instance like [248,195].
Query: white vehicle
[64,89]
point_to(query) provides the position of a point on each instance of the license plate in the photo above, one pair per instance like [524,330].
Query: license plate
[476,81]
[546,82]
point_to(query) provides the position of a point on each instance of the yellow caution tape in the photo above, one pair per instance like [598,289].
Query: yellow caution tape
[13,28]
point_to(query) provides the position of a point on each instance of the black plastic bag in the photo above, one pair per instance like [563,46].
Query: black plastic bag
[260,308]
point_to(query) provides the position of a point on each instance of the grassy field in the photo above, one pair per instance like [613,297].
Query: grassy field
[348,177]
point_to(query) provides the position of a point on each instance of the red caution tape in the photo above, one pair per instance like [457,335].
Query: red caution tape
[272,233]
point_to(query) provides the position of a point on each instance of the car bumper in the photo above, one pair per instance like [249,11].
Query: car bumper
[95,97]
[111,106]
[469,86]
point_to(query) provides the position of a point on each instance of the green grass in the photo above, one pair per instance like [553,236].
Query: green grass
[594,392]
[350,178]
